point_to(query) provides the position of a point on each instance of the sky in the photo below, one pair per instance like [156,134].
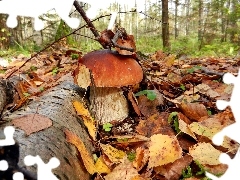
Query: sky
[95,7]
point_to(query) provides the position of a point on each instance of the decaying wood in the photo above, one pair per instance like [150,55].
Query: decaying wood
[56,105]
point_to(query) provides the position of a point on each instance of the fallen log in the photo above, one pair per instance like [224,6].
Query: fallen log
[56,105]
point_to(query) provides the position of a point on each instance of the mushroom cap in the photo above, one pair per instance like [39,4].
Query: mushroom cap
[110,69]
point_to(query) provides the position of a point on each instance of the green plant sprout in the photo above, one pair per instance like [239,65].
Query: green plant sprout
[193,69]
[55,71]
[187,173]
[33,68]
[41,89]
[107,127]
[74,56]
[26,94]
[151,95]
[131,156]
[173,119]
[209,112]
[201,168]
[183,87]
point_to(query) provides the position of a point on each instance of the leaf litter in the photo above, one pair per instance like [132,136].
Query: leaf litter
[153,150]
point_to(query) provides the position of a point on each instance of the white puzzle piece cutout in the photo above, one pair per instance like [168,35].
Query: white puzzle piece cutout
[232,131]
[8,132]
[35,8]
[44,170]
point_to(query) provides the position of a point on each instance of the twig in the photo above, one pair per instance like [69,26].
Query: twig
[48,46]
[209,72]
[121,33]
[87,20]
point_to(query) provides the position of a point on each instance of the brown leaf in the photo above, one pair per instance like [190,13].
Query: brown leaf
[85,155]
[142,155]
[128,42]
[125,171]
[32,123]
[148,107]
[205,89]
[155,124]
[129,140]
[133,101]
[158,55]
[173,171]
[193,111]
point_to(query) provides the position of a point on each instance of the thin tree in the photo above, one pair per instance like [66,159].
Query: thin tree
[165,25]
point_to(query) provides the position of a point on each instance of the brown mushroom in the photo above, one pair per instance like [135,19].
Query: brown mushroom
[110,71]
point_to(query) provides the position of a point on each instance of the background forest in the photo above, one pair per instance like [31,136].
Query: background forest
[183,27]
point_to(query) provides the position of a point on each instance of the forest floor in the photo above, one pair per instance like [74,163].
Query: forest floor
[173,115]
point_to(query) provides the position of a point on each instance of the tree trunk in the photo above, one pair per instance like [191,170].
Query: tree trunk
[187,2]
[176,19]
[200,14]
[165,25]
[56,105]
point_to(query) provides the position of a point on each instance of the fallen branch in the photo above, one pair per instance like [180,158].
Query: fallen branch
[209,72]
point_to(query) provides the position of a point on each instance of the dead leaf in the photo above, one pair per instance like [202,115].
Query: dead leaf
[148,107]
[163,149]
[169,60]
[186,129]
[174,78]
[85,155]
[155,124]
[87,118]
[101,166]
[173,171]
[205,89]
[205,153]
[32,123]
[193,111]
[209,127]
[142,156]
[128,42]
[133,101]
[113,154]
[128,140]
[125,171]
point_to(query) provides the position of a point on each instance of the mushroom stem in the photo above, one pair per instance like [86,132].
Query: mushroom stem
[108,104]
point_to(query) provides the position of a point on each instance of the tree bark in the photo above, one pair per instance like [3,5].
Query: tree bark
[56,105]
[165,24]
[176,19]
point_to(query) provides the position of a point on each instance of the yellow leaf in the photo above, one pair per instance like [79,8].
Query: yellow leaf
[86,156]
[113,154]
[205,153]
[101,166]
[87,118]
[170,60]
[81,110]
[163,149]
[184,127]
[209,128]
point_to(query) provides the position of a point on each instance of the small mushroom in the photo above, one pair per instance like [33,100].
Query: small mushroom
[109,71]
